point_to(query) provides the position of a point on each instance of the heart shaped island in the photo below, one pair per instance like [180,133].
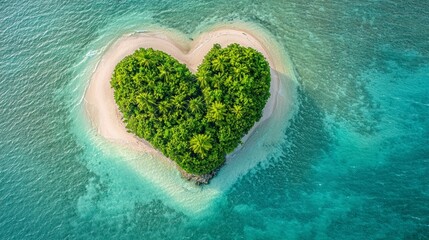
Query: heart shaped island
[194,104]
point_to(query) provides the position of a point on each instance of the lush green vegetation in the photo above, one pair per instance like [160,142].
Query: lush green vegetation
[194,120]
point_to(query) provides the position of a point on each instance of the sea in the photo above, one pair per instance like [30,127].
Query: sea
[352,161]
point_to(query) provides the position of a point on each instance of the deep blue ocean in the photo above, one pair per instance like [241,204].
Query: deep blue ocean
[353,162]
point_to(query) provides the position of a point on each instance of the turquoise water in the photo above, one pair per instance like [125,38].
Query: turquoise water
[353,162]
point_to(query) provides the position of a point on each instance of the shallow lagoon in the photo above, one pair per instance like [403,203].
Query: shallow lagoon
[353,162]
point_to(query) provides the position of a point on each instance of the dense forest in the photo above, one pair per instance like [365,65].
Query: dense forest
[195,120]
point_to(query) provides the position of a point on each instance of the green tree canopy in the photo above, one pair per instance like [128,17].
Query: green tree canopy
[195,120]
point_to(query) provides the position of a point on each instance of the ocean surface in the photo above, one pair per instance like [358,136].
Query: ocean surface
[352,162]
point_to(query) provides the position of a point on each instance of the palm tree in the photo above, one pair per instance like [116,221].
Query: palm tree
[163,72]
[158,91]
[238,111]
[249,53]
[228,81]
[145,62]
[144,101]
[216,112]
[196,105]
[240,69]
[200,144]
[217,94]
[177,102]
[163,107]
[217,64]
[202,79]
[217,80]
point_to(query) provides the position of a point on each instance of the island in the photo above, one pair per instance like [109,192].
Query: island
[208,140]
[194,120]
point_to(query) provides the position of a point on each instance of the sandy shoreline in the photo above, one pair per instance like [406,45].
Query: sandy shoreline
[101,108]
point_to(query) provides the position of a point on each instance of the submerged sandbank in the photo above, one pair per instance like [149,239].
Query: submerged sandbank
[102,110]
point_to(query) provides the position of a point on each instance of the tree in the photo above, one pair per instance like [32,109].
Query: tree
[196,105]
[201,144]
[216,112]
[238,111]
[218,64]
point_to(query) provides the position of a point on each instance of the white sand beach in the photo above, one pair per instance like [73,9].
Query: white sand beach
[100,105]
